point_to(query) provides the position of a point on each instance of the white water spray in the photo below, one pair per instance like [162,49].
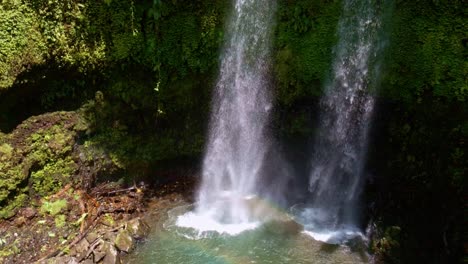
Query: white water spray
[337,174]
[237,143]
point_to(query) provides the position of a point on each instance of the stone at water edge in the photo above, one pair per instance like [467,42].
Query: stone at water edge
[112,254]
[124,241]
[138,228]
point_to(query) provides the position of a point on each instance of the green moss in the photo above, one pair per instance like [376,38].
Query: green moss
[21,43]
[60,220]
[304,39]
[5,151]
[52,176]
[13,205]
[9,250]
[53,208]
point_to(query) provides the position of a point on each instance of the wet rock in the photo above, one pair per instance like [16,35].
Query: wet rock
[99,251]
[124,241]
[138,228]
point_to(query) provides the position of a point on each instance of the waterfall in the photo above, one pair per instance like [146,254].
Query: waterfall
[238,141]
[337,177]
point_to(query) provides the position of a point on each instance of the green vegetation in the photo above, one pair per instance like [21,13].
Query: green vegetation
[36,159]
[53,208]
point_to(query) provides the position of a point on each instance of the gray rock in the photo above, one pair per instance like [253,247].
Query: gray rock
[112,255]
[91,237]
[81,248]
[73,261]
[100,251]
[124,241]
[138,228]
[60,260]
[86,261]
[109,236]
[98,255]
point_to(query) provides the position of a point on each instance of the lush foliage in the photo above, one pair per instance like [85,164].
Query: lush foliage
[21,43]
[420,146]
[428,51]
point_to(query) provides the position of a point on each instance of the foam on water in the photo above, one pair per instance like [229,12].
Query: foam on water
[207,221]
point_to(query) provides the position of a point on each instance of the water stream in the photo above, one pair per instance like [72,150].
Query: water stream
[238,139]
[337,176]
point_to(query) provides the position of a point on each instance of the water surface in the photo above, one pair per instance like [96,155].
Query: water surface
[266,244]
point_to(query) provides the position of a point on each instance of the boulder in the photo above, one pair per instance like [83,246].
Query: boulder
[81,248]
[138,228]
[112,255]
[124,241]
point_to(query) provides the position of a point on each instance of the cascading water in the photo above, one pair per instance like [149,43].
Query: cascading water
[340,147]
[237,142]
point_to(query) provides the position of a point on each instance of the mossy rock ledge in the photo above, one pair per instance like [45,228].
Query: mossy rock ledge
[42,155]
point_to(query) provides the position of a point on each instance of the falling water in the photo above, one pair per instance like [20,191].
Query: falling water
[237,142]
[340,148]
